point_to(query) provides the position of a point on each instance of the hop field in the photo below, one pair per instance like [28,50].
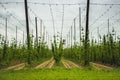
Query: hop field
[59,40]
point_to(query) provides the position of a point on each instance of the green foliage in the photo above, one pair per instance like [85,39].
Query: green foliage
[12,52]
[57,51]
[106,51]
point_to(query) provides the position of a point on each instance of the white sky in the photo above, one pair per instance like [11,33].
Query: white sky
[70,12]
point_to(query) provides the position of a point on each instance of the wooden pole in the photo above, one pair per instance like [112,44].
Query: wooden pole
[108,28]
[27,28]
[41,28]
[98,34]
[36,31]
[87,24]
[74,32]
[87,35]
[46,37]
[71,36]
[62,22]
[27,24]
[80,24]
[43,33]
[6,30]
[16,35]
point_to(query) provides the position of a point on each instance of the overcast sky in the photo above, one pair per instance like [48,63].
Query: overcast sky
[99,15]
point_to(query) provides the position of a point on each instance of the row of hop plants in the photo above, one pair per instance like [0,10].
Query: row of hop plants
[57,50]
[12,52]
[106,50]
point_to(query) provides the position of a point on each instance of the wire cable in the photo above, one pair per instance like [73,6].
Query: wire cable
[68,4]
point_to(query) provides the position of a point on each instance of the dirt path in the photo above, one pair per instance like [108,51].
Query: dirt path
[69,64]
[51,64]
[100,66]
[66,65]
[16,67]
[46,64]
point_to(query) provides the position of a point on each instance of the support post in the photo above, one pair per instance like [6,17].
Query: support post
[6,30]
[80,24]
[16,35]
[87,35]
[71,36]
[74,31]
[36,31]
[27,28]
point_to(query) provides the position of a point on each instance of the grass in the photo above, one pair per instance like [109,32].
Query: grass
[60,74]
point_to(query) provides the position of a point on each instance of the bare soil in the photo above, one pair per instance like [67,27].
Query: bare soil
[46,64]
[16,67]
[100,66]
[69,64]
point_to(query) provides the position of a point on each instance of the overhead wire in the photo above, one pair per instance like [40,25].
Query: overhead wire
[63,15]
[10,14]
[111,17]
[56,4]
[105,12]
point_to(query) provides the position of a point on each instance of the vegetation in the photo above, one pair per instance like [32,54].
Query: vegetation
[12,53]
[60,74]
[57,50]
[106,51]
